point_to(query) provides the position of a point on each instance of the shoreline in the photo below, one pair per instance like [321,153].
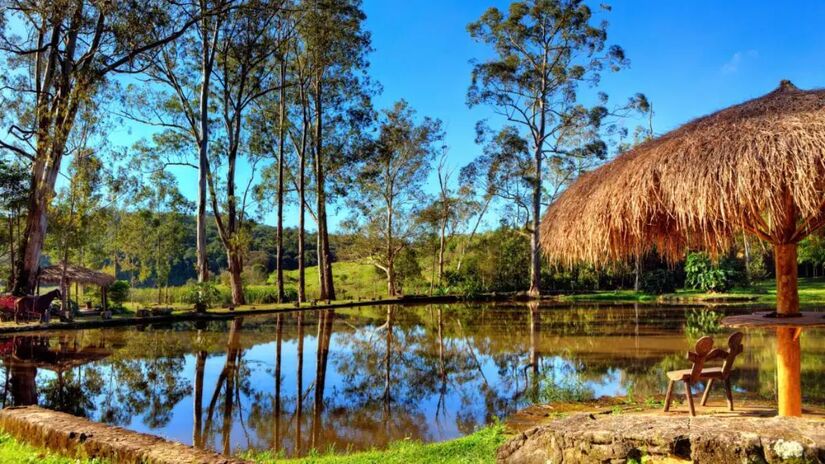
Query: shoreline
[607,297]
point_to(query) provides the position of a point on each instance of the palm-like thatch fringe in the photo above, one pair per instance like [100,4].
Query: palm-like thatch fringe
[52,275]
[758,166]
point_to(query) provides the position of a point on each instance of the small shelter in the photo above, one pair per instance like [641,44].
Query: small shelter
[52,275]
[757,167]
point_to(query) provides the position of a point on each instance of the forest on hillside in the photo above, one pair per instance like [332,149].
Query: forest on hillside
[254,112]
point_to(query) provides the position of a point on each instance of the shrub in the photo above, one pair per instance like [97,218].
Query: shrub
[205,293]
[703,274]
[118,293]
[658,281]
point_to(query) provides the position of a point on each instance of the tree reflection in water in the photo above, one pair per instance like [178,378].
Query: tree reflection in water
[372,375]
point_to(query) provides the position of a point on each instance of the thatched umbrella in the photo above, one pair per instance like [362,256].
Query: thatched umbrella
[757,167]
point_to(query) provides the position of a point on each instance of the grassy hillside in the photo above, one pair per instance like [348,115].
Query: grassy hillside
[352,280]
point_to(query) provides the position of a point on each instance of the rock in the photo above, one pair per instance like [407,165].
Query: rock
[610,438]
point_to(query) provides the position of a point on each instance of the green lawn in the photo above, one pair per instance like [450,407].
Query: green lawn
[477,448]
[12,450]
[811,292]
[351,279]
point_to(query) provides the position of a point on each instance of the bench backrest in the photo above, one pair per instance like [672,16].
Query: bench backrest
[734,349]
[698,356]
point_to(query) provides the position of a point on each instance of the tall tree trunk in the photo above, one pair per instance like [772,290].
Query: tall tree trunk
[324,258]
[442,243]
[637,271]
[235,279]
[203,156]
[279,250]
[42,191]
[535,238]
[391,287]
[322,283]
[302,297]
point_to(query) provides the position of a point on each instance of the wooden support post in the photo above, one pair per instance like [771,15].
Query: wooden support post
[788,372]
[787,296]
[788,359]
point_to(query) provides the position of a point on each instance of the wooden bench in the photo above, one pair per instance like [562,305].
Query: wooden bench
[703,353]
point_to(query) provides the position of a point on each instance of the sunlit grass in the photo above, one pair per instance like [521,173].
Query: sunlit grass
[479,447]
[811,292]
[12,450]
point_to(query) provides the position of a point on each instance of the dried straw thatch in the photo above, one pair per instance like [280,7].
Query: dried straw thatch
[758,166]
[51,276]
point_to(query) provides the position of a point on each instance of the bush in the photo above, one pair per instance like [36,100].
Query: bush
[703,274]
[658,281]
[118,293]
[205,293]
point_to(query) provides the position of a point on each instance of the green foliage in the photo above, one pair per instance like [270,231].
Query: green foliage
[118,293]
[203,293]
[478,448]
[702,321]
[658,281]
[701,273]
[569,390]
[407,268]
[498,261]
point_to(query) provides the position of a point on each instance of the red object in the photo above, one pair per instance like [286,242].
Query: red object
[7,303]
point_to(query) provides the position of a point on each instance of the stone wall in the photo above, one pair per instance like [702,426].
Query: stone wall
[75,436]
[623,438]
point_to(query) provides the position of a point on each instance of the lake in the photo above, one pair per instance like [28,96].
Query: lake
[361,378]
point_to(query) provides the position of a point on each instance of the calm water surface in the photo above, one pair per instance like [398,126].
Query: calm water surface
[361,378]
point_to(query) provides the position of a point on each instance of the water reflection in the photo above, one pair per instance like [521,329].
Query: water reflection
[361,378]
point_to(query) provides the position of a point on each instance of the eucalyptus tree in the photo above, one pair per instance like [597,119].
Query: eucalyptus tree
[442,216]
[58,54]
[250,42]
[270,119]
[334,45]
[389,179]
[543,51]
[173,95]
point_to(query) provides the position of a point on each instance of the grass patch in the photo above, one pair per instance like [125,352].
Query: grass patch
[811,292]
[12,450]
[479,447]
[351,280]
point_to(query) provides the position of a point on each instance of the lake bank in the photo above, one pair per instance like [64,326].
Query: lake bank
[762,294]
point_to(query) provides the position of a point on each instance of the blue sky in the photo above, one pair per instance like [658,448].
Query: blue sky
[690,58]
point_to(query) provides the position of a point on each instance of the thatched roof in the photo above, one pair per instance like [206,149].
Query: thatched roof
[757,166]
[51,275]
